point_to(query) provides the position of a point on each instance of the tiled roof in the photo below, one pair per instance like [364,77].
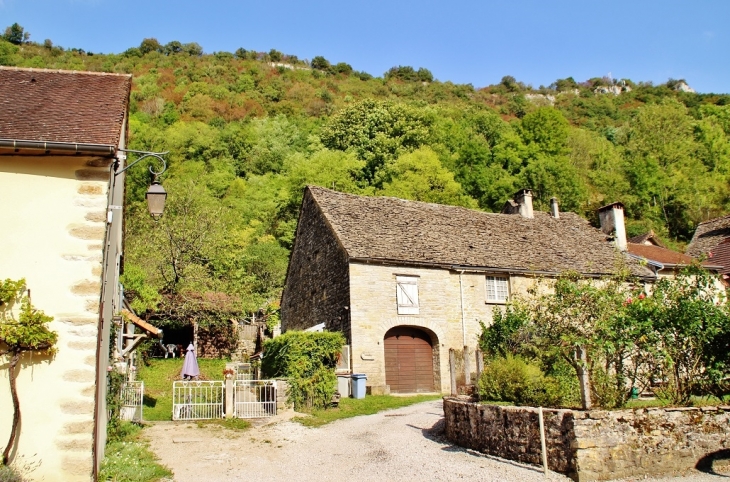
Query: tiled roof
[396,230]
[646,237]
[721,257]
[62,106]
[659,254]
[708,235]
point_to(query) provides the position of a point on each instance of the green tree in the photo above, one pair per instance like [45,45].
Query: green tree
[377,132]
[25,333]
[16,34]
[420,176]
[150,45]
[320,63]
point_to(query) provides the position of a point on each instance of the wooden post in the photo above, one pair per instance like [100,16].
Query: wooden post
[467,366]
[542,441]
[452,368]
[480,364]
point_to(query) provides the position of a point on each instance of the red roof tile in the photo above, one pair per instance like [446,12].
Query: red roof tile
[62,106]
[659,254]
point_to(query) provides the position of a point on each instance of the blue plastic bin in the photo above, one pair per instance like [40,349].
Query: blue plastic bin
[358,385]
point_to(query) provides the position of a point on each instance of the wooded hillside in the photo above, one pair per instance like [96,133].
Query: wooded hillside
[247,131]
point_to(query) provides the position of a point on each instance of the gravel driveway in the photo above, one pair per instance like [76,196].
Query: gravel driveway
[397,445]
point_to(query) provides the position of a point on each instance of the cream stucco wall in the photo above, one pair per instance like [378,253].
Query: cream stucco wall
[374,311]
[52,227]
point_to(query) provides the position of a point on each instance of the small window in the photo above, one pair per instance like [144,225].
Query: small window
[497,289]
[407,294]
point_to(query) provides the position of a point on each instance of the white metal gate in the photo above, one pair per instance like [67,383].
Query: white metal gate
[132,394]
[197,400]
[254,398]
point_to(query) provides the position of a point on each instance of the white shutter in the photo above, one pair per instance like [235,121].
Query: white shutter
[407,295]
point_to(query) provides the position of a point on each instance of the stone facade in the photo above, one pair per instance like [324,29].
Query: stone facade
[374,311]
[594,445]
[54,226]
[317,288]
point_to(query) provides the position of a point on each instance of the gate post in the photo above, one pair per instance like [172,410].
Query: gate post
[229,406]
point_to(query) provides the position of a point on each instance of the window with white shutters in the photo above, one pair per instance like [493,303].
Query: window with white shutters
[497,289]
[407,294]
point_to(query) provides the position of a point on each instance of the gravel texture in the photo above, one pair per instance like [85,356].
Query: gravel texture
[405,444]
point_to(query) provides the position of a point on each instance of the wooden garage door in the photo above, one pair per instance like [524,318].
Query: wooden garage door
[408,360]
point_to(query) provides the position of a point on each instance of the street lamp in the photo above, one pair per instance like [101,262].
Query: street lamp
[156,194]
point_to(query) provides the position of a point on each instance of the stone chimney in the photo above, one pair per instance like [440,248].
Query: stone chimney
[521,204]
[612,223]
[554,207]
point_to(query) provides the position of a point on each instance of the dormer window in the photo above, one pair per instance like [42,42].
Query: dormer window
[407,294]
[497,289]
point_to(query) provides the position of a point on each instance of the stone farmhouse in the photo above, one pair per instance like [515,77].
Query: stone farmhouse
[406,281]
[712,240]
[61,217]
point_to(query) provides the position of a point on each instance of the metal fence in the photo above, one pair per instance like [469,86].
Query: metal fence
[254,398]
[197,400]
[132,394]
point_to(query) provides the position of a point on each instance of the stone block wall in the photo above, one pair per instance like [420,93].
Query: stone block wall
[317,288]
[594,445]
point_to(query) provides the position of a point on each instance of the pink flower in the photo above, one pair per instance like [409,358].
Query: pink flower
[642,296]
[109,368]
[628,301]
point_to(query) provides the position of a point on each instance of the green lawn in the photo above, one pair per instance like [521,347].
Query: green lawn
[130,460]
[350,407]
[158,378]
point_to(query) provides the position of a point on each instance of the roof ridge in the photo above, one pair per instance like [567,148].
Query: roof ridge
[438,205]
[60,71]
[714,219]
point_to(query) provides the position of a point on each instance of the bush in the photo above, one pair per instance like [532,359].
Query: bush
[514,380]
[307,360]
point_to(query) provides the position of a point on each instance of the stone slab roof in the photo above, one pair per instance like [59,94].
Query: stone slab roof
[708,235]
[62,106]
[395,230]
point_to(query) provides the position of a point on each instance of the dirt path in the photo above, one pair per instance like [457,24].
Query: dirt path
[398,445]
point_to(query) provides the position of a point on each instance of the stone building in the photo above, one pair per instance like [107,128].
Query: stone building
[61,217]
[712,240]
[406,281]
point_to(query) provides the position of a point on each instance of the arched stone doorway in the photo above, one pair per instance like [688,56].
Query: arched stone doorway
[410,359]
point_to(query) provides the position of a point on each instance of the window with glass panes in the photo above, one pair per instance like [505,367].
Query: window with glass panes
[497,289]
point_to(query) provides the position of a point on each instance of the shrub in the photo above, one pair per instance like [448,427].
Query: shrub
[512,379]
[307,360]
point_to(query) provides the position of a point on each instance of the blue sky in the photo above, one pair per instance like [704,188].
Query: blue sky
[463,41]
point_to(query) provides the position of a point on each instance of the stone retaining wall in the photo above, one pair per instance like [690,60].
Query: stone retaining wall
[594,445]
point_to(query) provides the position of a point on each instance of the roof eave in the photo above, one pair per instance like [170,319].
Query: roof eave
[48,147]
[478,269]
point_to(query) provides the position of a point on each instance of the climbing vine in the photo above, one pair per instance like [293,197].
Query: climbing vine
[22,329]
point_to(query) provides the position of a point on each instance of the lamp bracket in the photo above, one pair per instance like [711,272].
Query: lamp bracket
[144,155]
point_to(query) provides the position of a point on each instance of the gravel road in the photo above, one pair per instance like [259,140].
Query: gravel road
[397,445]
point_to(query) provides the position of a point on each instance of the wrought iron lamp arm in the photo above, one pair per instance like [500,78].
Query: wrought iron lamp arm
[145,155]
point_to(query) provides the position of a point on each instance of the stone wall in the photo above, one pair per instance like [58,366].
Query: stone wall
[317,281]
[594,445]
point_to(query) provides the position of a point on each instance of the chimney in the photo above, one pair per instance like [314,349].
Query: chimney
[523,198]
[612,223]
[554,207]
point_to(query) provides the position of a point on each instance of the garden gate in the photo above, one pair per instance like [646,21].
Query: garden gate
[197,400]
[254,398]
[131,394]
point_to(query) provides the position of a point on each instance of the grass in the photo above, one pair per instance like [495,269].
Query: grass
[130,460]
[158,378]
[350,407]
